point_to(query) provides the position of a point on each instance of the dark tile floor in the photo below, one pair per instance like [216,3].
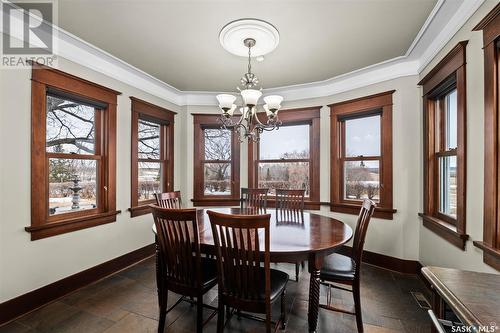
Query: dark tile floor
[126,302]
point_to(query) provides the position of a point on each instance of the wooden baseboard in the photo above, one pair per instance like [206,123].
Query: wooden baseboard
[23,304]
[387,262]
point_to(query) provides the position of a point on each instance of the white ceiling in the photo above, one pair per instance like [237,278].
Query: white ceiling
[177,41]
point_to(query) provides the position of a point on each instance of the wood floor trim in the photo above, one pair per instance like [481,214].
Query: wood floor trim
[28,302]
[381,260]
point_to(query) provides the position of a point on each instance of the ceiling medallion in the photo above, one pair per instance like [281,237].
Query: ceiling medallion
[234,33]
[244,38]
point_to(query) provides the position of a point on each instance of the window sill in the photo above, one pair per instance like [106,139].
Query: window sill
[491,255]
[140,210]
[445,230]
[215,202]
[70,225]
[310,205]
[380,212]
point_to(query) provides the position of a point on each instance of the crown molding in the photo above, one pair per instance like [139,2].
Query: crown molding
[81,52]
[427,23]
[466,10]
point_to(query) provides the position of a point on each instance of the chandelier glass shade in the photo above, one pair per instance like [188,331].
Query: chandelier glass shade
[249,126]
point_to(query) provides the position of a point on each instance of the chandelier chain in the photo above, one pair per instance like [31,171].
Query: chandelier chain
[249,60]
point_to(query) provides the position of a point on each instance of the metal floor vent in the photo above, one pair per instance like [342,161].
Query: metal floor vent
[421,300]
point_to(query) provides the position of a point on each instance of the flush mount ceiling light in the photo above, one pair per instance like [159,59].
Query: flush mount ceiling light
[249,37]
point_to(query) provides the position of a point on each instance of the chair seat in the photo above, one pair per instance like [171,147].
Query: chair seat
[337,267]
[208,272]
[279,280]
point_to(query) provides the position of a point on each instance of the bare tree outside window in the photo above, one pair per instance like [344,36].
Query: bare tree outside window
[70,129]
[152,129]
[150,166]
[292,176]
[217,163]
[149,139]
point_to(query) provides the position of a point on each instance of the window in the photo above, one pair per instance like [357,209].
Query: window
[216,163]
[152,154]
[490,245]
[361,154]
[444,147]
[361,158]
[72,153]
[288,158]
[446,156]
[284,159]
[73,160]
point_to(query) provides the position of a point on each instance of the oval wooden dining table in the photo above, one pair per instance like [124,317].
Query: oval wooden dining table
[307,236]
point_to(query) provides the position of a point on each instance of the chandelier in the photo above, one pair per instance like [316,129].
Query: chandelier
[249,126]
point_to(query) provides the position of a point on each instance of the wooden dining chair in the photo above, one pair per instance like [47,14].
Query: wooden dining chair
[345,270]
[169,199]
[244,284]
[289,201]
[254,199]
[290,208]
[180,266]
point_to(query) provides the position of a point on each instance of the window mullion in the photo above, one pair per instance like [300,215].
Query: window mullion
[73,156]
[362,158]
[146,160]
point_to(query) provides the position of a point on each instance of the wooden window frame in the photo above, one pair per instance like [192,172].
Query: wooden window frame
[43,225]
[362,107]
[301,116]
[490,245]
[442,150]
[165,118]
[206,121]
[448,74]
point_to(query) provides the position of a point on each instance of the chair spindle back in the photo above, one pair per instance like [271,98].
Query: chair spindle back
[254,198]
[179,246]
[290,204]
[169,199]
[364,217]
[237,240]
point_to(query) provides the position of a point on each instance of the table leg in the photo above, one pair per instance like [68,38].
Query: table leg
[437,307]
[314,289]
